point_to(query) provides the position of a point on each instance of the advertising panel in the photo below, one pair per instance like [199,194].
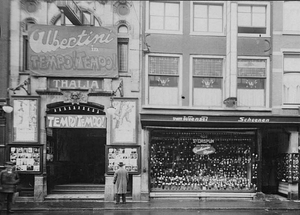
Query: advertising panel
[72,51]
[27,158]
[129,155]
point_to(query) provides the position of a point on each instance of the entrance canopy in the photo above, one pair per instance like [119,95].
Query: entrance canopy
[81,108]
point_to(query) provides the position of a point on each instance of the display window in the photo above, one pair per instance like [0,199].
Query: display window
[203,161]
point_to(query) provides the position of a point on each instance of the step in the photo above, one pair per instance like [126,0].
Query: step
[80,187]
[82,197]
[77,191]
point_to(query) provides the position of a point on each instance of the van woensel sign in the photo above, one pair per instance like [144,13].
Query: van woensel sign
[80,51]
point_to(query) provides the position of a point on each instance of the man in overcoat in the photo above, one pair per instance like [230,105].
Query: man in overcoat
[9,180]
[121,180]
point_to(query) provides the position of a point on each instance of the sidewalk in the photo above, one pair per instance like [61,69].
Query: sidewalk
[160,204]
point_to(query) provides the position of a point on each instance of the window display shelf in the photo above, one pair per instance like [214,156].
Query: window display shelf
[288,167]
[177,164]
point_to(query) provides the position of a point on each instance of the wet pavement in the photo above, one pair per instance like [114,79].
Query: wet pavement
[165,212]
[157,206]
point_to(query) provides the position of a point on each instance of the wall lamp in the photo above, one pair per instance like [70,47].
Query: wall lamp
[111,109]
[5,106]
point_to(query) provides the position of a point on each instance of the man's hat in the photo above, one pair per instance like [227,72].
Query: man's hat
[8,163]
[121,164]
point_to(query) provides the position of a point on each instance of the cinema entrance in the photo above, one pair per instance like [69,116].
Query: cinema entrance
[75,150]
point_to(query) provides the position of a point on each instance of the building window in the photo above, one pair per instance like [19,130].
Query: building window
[251,82]
[164,16]
[291,79]
[163,79]
[123,54]
[252,19]
[25,52]
[207,18]
[207,82]
[291,12]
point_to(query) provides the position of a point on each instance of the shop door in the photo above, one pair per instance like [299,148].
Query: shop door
[78,156]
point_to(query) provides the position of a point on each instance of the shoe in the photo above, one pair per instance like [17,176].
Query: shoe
[10,211]
[117,203]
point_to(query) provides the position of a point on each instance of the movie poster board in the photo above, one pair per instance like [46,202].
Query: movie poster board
[27,158]
[129,155]
[25,119]
[124,121]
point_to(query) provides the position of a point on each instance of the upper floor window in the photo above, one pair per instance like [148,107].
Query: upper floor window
[207,81]
[123,54]
[291,79]
[253,19]
[207,18]
[163,80]
[291,13]
[252,82]
[164,16]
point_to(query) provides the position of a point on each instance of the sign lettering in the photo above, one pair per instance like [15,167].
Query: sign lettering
[73,51]
[76,121]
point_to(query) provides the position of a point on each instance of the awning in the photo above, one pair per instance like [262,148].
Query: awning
[180,120]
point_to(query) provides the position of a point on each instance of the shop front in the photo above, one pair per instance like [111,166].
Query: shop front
[221,156]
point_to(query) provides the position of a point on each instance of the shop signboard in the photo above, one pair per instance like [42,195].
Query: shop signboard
[75,121]
[27,158]
[204,149]
[129,155]
[151,119]
[72,51]
[25,119]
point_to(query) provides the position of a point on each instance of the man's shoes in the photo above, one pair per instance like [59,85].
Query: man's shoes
[117,203]
[10,211]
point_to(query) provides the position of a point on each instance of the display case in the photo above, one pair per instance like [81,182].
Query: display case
[129,155]
[288,167]
[213,162]
[28,159]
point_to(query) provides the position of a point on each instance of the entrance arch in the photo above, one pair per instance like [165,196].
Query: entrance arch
[75,154]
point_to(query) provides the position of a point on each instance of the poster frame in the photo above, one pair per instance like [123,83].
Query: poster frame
[37,116]
[40,147]
[107,147]
[114,131]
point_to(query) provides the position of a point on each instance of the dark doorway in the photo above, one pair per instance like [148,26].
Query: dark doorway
[76,156]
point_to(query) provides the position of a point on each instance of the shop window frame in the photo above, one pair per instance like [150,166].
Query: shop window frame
[179,87]
[267,17]
[266,78]
[163,31]
[207,3]
[192,76]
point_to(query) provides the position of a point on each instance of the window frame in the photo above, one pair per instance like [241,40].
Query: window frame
[122,40]
[147,97]
[268,18]
[267,80]
[285,53]
[148,30]
[192,3]
[191,89]
[289,31]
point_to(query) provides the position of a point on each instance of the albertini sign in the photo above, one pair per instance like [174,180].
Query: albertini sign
[76,121]
[81,51]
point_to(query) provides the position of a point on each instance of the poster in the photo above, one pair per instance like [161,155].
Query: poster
[129,155]
[25,116]
[124,121]
[27,158]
